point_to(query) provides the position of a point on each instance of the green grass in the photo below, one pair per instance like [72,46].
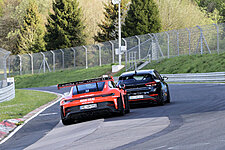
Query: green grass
[190,64]
[24,102]
[53,78]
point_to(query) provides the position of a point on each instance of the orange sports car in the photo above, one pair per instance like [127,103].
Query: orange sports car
[87,97]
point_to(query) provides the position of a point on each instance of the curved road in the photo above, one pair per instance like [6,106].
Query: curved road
[194,120]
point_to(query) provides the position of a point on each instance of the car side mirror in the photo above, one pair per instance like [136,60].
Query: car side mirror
[121,86]
[165,78]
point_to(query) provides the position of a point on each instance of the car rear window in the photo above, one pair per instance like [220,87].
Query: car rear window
[141,78]
[86,88]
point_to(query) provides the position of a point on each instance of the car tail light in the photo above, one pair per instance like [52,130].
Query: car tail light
[151,84]
[110,104]
[153,95]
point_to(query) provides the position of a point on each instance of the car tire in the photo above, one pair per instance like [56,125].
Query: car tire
[161,99]
[168,96]
[64,120]
[120,106]
[127,110]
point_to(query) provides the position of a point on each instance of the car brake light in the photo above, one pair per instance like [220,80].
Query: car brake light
[110,104]
[151,84]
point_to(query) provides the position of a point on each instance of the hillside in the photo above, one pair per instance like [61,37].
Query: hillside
[173,14]
[181,64]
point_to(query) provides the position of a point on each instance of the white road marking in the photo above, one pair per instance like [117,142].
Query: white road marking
[158,147]
[48,114]
[190,146]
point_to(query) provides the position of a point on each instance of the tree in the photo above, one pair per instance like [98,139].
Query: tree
[211,7]
[1,7]
[143,17]
[65,27]
[31,35]
[109,26]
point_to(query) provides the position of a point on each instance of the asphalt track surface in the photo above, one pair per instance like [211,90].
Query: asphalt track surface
[194,120]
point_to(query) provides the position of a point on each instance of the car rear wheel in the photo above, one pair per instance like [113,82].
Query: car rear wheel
[161,99]
[64,120]
[168,96]
[120,106]
[127,110]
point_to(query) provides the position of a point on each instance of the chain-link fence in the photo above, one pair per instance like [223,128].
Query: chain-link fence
[3,70]
[140,49]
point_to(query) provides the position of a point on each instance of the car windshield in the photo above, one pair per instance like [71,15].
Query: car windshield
[143,78]
[86,88]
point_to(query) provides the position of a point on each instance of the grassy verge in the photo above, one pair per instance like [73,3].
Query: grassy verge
[53,78]
[24,102]
[190,64]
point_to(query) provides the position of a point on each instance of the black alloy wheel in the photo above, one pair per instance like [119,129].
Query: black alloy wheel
[161,99]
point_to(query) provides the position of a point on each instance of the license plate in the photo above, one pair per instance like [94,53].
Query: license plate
[90,106]
[136,97]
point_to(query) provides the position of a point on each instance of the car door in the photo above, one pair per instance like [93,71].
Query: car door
[163,84]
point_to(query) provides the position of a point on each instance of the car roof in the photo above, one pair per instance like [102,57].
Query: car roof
[138,72]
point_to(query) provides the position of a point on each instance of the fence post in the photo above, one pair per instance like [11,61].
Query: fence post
[85,48]
[32,63]
[62,58]
[100,55]
[5,67]
[74,57]
[157,42]
[218,40]
[168,44]
[139,46]
[113,54]
[125,52]
[20,64]
[43,62]
[9,60]
[189,38]
[53,60]
[201,37]
[178,44]
[151,46]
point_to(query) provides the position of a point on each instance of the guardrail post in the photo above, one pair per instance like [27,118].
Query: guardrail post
[139,46]
[62,58]
[43,62]
[74,57]
[168,44]
[218,40]
[31,63]
[100,55]
[85,48]
[53,60]
[20,64]
[189,38]
[113,53]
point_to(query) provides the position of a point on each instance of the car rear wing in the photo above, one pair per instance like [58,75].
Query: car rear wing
[71,84]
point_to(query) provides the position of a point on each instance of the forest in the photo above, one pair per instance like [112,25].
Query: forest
[30,26]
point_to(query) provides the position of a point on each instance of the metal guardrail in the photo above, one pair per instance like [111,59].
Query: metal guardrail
[7,93]
[193,77]
[196,77]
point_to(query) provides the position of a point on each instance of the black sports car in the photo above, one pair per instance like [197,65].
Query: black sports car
[145,86]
